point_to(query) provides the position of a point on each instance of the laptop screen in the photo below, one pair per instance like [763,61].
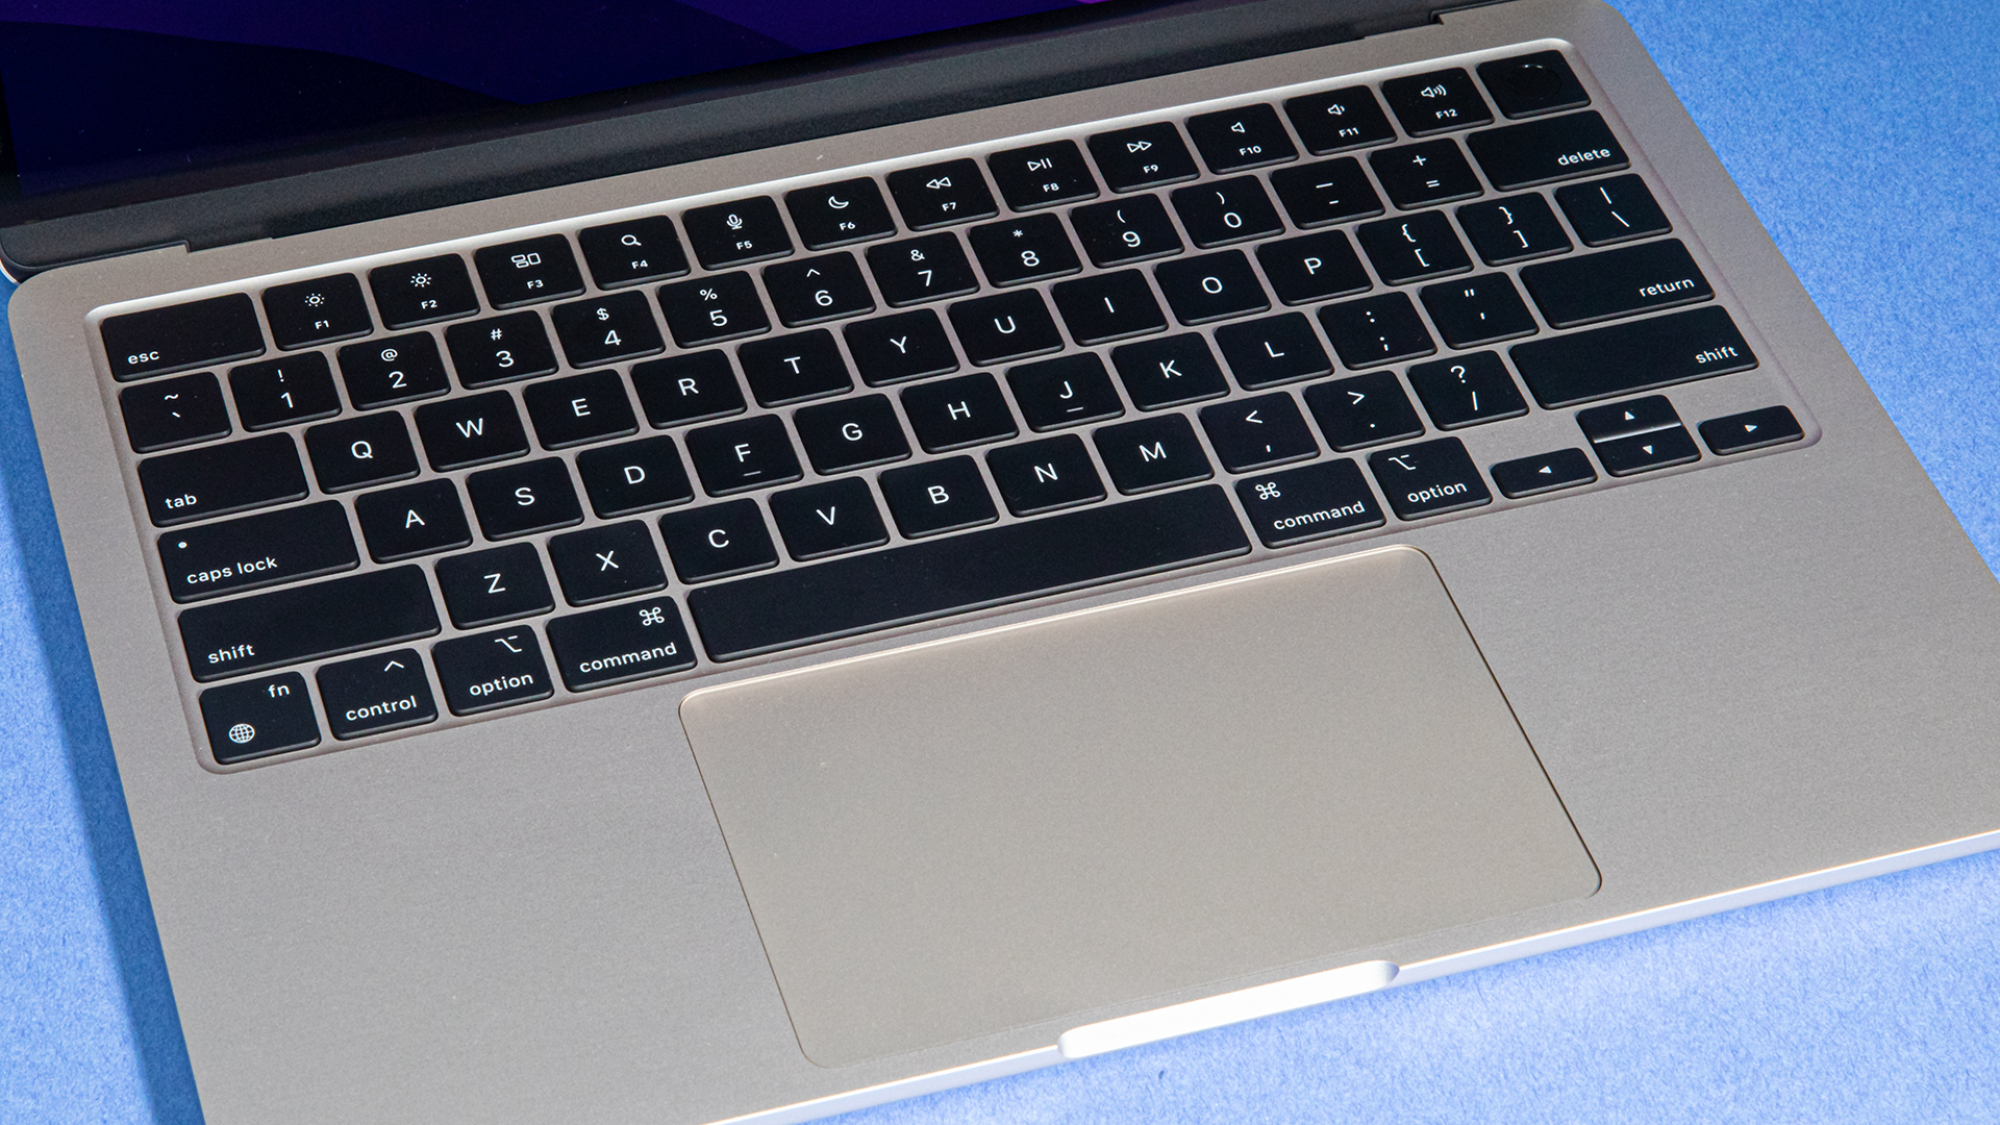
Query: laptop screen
[102,91]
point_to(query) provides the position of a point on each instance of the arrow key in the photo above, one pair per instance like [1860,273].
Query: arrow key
[386,691]
[1773,425]
[1548,472]
[1645,452]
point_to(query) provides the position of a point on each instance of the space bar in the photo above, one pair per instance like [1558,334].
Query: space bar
[941,576]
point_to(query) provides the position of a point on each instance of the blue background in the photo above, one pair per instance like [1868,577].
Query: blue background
[1867,137]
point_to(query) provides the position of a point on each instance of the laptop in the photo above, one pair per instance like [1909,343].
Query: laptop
[854,573]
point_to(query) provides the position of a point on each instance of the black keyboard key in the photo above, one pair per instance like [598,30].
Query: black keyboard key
[733,234]
[1339,119]
[1125,230]
[500,349]
[1067,391]
[837,214]
[423,291]
[307,622]
[173,412]
[1614,283]
[523,499]
[633,251]
[1533,84]
[1309,502]
[1431,103]
[1630,357]
[260,550]
[1644,453]
[1467,390]
[1042,175]
[1254,433]
[620,644]
[851,434]
[937,496]
[471,431]
[219,479]
[940,194]
[718,541]
[281,392]
[794,368]
[750,453]
[608,562]
[1375,330]
[1424,173]
[1226,211]
[1540,152]
[712,309]
[491,670]
[830,518]
[1112,306]
[1152,453]
[416,519]
[1233,140]
[633,476]
[921,269]
[1276,349]
[1755,429]
[1514,229]
[1169,371]
[1331,191]
[358,452]
[1477,310]
[1364,410]
[158,341]
[1413,248]
[1023,250]
[534,269]
[580,408]
[317,311]
[259,717]
[1144,156]
[687,388]
[818,289]
[398,369]
[607,329]
[895,349]
[1005,327]
[1623,419]
[1211,287]
[1548,472]
[1615,210]
[955,413]
[1045,476]
[922,581]
[384,692]
[495,585]
[1313,268]
[1429,478]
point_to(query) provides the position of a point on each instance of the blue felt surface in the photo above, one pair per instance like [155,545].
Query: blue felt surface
[1872,1002]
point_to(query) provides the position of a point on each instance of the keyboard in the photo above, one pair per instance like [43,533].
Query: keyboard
[427,490]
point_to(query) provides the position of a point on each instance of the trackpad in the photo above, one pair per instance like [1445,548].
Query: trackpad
[1036,822]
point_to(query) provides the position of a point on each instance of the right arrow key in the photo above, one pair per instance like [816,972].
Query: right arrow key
[1755,429]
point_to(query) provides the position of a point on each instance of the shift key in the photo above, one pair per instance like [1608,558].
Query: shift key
[308,622]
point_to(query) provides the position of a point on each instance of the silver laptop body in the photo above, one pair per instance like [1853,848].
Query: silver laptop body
[898,849]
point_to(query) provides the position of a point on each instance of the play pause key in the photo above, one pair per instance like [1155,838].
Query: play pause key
[269,715]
